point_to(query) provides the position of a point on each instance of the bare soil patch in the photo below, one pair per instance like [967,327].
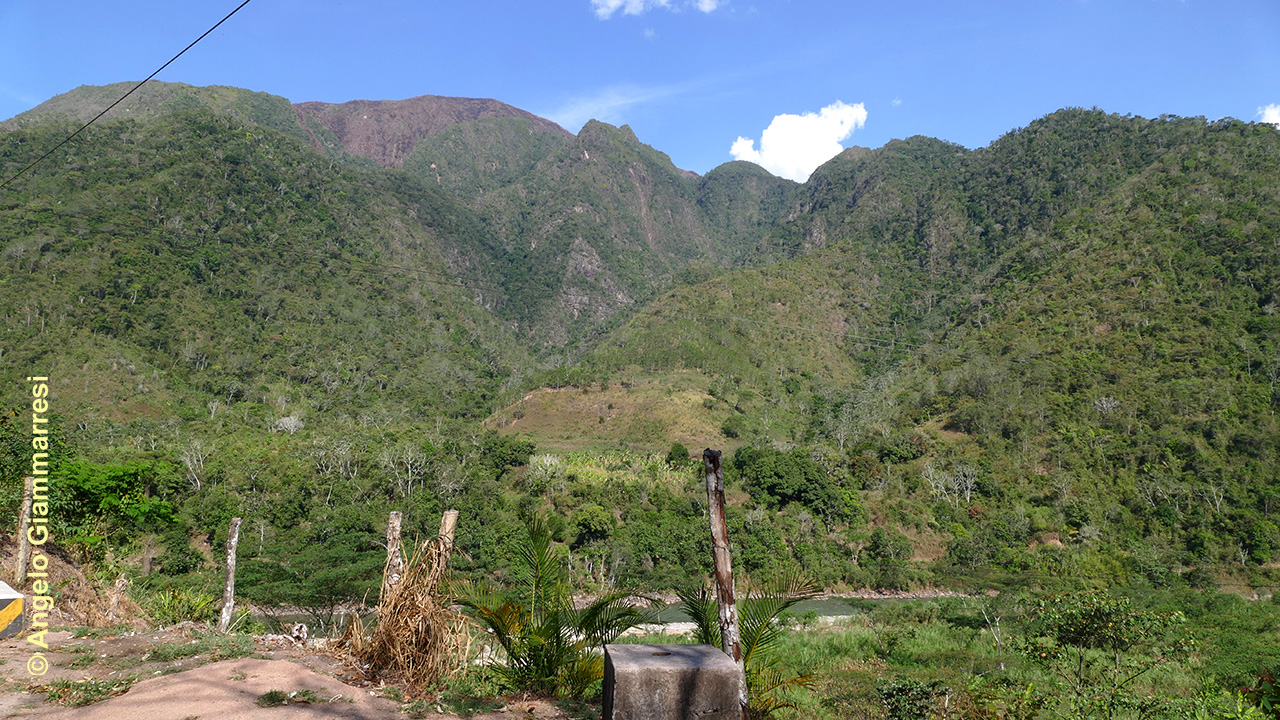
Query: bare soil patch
[177,674]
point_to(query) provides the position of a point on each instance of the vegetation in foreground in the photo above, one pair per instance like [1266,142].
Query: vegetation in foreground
[1027,655]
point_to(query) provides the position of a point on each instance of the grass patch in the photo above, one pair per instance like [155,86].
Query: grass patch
[81,661]
[209,647]
[275,698]
[579,709]
[75,693]
[656,638]
[174,605]
[646,414]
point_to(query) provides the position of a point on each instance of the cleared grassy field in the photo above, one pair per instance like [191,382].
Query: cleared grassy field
[645,413]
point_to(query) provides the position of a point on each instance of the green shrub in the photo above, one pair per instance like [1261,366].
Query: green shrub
[678,456]
[764,621]
[906,699]
[172,606]
[1266,696]
[550,645]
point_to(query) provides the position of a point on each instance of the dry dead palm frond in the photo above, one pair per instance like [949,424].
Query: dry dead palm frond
[417,639]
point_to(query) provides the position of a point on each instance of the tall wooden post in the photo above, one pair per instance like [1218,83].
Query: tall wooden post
[730,637]
[448,523]
[395,559]
[24,524]
[229,590]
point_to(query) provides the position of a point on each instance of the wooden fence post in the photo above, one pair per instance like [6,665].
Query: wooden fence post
[229,590]
[448,523]
[395,559]
[730,637]
[24,523]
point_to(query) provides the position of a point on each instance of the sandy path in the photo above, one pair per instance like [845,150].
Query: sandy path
[228,690]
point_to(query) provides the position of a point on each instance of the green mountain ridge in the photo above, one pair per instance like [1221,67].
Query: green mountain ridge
[1078,320]
[1096,340]
[596,220]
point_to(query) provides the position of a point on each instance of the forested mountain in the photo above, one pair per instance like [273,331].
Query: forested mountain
[569,230]
[1059,354]
[228,258]
[1073,330]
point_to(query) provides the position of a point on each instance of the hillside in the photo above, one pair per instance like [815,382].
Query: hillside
[157,99]
[1056,356]
[568,233]
[238,280]
[1078,321]
[585,231]
[387,131]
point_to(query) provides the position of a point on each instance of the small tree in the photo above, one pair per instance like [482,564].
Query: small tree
[291,424]
[678,456]
[1096,646]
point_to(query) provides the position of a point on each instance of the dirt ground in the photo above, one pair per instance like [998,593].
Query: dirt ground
[188,672]
[194,688]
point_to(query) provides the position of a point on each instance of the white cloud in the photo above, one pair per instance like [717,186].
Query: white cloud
[897,102]
[607,105]
[793,146]
[20,97]
[1270,114]
[606,8]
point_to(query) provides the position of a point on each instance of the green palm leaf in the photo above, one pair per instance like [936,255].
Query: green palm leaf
[761,632]
[550,646]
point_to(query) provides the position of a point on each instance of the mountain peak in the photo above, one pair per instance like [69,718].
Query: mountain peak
[387,131]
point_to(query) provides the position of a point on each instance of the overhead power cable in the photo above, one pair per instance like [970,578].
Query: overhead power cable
[72,136]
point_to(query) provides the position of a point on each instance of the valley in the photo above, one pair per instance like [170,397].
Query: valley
[1048,365]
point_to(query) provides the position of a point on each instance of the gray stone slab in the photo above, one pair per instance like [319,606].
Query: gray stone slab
[670,682]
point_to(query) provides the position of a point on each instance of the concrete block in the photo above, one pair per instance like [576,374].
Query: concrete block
[670,682]
[12,619]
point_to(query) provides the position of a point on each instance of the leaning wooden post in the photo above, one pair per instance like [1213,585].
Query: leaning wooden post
[395,559]
[730,638]
[448,524]
[24,524]
[440,559]
[229,590]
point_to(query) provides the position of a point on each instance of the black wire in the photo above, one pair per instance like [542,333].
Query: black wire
[72,136]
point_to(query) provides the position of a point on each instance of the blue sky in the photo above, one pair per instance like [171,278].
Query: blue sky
[693,78]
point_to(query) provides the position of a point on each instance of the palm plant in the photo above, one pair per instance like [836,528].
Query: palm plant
[550,646]
[761,630]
